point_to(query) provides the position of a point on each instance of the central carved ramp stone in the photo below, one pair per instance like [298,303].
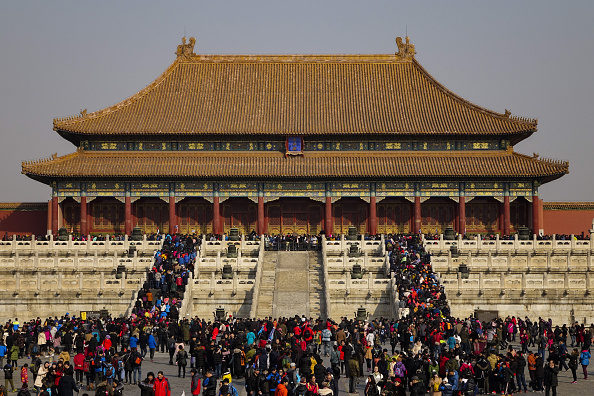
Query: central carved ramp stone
[291,294]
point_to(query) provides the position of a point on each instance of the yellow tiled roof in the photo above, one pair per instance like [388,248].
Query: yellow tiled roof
[242,164]
[294,94]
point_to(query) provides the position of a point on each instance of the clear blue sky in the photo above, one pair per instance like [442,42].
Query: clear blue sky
[533,57]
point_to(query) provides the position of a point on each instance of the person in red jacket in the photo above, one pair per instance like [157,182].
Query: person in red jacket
[161,385]
[79,366]
[195,388]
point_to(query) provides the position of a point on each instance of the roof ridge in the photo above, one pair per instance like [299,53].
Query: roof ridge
[64,121]
[537,157]
[504,116]
[272,58]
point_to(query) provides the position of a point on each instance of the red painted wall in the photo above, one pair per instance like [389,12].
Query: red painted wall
[571,219]
[22,218]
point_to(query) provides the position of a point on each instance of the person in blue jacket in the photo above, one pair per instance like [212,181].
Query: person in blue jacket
[133,341]
[152,344]
[2,353]
[585,361]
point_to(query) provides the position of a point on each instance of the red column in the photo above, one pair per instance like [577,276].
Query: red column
[55,216]
[83,216]
[49,216]
[172,216]
[417,223]
[328,217]
[506,216]
[216,216]
[261,220]
[372,216]
[535,214]
[462,215]
[128,216]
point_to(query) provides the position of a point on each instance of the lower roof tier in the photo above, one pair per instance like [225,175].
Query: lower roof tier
[345,164]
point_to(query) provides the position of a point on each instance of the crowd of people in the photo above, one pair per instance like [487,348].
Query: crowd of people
[426,351]
[166,282]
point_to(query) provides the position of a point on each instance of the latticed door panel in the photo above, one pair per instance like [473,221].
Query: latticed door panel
[274,219]
[301,220]
[71,216]
[315,219]
[152,217]
[482,217]
[195,218]
[519,214]
[338,225]
[436,217]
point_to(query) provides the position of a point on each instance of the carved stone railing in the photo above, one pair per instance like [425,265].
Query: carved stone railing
[143,246]
[326,280]
[371,247]
[515,245]
[523,261]
[258,280]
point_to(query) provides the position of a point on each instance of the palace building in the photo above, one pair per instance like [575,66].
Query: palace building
[295,144]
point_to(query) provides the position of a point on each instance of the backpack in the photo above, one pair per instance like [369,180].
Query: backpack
[301,390]
[398,371]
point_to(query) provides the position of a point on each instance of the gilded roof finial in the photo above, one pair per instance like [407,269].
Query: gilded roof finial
[186,50]
[406,50]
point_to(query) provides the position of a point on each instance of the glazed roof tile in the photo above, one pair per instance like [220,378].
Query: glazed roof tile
[242,164]
[294,94]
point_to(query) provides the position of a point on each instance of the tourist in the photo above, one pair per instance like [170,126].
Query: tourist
[161,385]
[24,391]
[195,383]
[25,374]
[8,370]
[352,373]
[371,387]
[67,386]
[325,390]
[41,373]
[228,390]
[2,352]
[573,364]
[182,361]
[435,384]
[147,385]
[550,378]
[209,384]
[585,361]
[136,363]
[14,355]
[152,344]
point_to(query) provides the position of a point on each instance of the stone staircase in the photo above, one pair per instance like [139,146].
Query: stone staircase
[317,303]
[291,284]
[291,295]
[267,282]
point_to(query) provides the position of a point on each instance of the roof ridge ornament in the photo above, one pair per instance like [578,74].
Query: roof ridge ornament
[406,50]
[186,50]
